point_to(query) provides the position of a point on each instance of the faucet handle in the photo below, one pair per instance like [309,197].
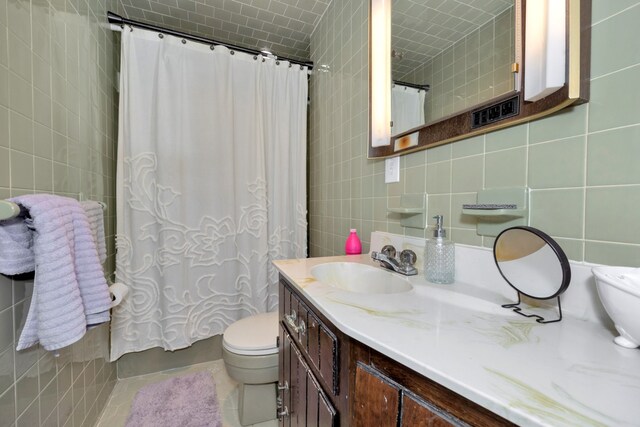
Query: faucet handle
[408,257]
[389,251]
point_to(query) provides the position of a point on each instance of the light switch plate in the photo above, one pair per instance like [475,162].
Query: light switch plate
[392,170]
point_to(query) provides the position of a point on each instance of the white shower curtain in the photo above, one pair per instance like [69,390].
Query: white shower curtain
[211,186]
[407,108]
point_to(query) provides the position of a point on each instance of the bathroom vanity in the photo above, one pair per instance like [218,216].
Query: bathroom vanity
[447,354]
[330,379]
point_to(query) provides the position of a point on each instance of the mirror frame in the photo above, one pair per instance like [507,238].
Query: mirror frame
[459,126]
[555,247]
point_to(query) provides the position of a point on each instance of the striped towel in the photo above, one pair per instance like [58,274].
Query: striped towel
[95,214]
[70,290]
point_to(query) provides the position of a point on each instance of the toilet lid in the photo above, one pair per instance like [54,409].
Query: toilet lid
[254,335]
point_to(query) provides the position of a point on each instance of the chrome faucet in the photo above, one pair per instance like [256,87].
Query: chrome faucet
[403,265]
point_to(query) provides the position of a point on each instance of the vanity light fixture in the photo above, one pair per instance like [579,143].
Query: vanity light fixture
[545,46]
[380,46]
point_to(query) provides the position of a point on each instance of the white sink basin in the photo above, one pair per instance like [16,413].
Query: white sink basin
[360,278]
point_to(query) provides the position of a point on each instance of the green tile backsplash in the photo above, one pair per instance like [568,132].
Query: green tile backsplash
[613,157]
[581,163]
[58,125]
[557,163]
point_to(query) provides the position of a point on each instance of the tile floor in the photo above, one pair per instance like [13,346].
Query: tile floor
[117,410]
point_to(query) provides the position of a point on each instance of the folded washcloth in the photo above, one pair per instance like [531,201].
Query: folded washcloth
[95,214]
[16,247]
[70,290]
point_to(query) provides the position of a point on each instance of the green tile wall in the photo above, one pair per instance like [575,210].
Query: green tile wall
[58,126]
[472,70]
[581,164]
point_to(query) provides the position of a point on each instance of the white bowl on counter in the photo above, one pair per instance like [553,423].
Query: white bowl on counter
[619,291]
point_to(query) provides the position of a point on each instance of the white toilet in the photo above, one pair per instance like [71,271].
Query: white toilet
[250,354]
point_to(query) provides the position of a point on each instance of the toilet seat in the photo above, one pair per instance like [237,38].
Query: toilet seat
[253,336]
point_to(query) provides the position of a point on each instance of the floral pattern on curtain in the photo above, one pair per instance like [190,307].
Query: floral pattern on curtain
[211,187]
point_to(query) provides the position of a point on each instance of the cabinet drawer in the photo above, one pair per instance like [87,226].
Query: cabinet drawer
[314,338]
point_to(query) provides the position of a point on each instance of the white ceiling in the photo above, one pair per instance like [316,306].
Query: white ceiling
[421,28]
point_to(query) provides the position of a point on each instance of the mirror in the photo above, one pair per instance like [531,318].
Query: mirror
[532,263]
[477,70]
[447,57]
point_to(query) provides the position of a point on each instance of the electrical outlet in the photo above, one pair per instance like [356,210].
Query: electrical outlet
[392,170]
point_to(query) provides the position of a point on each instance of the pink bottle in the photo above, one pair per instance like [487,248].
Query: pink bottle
[353,246]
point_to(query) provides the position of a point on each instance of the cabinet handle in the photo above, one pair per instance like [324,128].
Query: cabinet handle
[291,320]
[284,386]
[283,413]
[281,390]
[300,328]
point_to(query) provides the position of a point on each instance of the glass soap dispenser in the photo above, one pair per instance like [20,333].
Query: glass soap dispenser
[440,256]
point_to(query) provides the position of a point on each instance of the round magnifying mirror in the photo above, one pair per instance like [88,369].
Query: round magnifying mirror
[532,262]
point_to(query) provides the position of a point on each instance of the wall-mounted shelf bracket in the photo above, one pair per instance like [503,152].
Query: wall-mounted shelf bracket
[499,208]
[412,210]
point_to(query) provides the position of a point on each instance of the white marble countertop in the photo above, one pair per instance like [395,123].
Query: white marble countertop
[565,373]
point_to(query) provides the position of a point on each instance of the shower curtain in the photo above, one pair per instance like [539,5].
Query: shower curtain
[211,187]
[407,108]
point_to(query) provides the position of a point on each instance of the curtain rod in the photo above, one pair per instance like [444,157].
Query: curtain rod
[121,21]
[412,85]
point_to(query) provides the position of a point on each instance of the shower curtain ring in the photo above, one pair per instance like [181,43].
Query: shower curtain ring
[212,47]
[277,62]
[184,41]
[232,52]
[161,35]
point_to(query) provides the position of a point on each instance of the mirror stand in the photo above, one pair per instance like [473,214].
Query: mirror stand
[535,266]
[516,308]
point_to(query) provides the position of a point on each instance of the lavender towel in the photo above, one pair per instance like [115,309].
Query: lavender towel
[16,247]
[95,214]
[70,290]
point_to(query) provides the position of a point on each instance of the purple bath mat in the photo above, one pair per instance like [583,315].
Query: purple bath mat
[186,401]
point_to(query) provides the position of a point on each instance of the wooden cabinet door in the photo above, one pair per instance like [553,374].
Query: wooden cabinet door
[285,377]
[298,387]
[376,399]
[380,401]
[418,413]
[305,400]
[293,373]
[320,411]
